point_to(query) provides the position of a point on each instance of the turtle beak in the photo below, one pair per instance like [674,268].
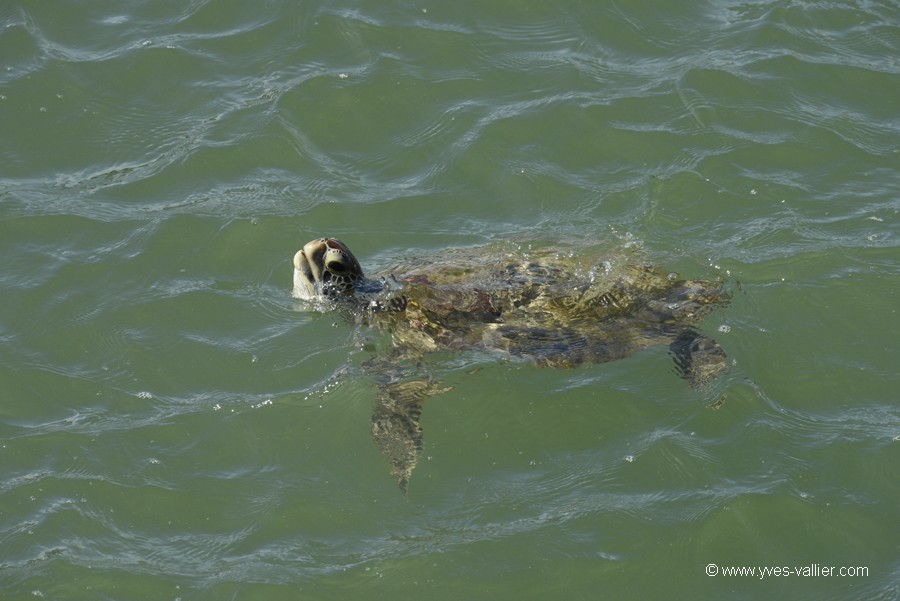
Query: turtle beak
[304,277]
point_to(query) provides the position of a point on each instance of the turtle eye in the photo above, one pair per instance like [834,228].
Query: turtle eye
[336,267]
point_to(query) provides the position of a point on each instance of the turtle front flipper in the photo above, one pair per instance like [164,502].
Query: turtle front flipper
[698,358]
[395,425]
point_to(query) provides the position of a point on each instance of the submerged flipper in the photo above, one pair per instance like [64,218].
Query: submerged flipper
[698,358]
[395,425]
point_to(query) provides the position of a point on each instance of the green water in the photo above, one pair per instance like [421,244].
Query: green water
[174,426]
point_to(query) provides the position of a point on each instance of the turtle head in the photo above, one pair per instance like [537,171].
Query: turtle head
[325,267]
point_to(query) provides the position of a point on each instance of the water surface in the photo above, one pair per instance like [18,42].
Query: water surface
[173,427]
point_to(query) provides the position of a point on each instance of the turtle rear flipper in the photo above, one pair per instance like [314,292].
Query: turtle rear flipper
[698,358]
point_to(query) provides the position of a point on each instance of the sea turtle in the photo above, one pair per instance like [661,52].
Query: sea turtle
[553,305]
